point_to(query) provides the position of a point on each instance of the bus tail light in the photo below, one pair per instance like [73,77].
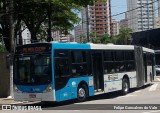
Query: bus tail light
[49,88]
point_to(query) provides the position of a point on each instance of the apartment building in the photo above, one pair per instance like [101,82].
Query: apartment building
[97,18]
[141,14]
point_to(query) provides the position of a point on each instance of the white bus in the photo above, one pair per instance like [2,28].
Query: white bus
[63,71]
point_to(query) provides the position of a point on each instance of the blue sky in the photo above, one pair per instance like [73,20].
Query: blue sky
[118,6]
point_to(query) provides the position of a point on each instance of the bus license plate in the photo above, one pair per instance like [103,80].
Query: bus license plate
[32,95]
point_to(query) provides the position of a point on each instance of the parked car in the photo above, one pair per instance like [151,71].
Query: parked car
[157,69]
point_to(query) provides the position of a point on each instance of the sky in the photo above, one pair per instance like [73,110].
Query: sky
[118,6]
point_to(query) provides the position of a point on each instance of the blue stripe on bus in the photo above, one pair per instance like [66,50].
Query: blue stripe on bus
[32,89]
[70,90]
[70,46]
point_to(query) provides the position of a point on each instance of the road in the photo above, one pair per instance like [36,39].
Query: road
[143,100]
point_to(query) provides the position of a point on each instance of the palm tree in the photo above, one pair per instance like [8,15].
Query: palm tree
[124,35]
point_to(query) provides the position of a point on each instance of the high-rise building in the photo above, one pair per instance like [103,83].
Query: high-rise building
[78,31]
[60,37]
[115,27]
[158,8]
[124,22]
[140,14]
[97,18]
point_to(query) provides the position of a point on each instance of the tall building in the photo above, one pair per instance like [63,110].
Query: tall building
[97,19]
[115,27]
[124,22]
[60,37]
[158,8]
[78,31]
[141,14]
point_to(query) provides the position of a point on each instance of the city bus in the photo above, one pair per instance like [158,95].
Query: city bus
[63,71]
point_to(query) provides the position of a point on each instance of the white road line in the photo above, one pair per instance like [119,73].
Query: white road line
[156,111]
[153,87]
[158,79]
[129,95]
[136,91]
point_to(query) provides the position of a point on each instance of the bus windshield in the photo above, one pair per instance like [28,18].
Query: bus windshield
[32,70]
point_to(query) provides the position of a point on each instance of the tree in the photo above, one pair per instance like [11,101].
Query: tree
[103,39]
[36,12]
[83,38]
[124,36]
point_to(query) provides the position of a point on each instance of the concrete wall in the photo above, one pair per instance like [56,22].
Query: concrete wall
[4,76]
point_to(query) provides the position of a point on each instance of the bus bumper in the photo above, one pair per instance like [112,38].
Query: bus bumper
[23,96]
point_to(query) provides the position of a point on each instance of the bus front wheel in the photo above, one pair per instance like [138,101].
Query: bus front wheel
[82,93]
[125,86]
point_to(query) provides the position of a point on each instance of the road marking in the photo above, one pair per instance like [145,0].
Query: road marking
[136,91]
[158,79]
[152,111]
[129,95]
[153,87]
[76,110]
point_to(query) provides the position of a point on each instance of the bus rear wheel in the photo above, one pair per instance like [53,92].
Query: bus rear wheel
[82,93]
[125,86]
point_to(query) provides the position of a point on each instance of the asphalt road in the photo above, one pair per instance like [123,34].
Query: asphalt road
[142,100]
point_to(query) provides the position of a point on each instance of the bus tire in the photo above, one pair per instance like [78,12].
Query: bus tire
[125,86]
[82,93]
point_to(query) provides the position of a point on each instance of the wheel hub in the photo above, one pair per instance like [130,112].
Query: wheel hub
[81,92]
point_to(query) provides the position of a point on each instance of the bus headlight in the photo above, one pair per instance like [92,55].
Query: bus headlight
[49,88]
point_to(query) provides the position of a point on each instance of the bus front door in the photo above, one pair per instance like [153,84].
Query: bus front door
[97,66]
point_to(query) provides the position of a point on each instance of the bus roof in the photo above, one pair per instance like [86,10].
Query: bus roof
[58,45]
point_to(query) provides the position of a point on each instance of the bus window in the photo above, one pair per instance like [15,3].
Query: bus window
[33,70]
[119,61]
[61,63]
[129,61]
[108,56]
[79,63]
[109,67]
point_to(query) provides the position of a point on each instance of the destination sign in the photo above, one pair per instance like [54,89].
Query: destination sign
[33,49]
[37,48]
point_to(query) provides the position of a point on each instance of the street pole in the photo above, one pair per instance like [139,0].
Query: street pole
[12,45]
[49,38]
[87,22]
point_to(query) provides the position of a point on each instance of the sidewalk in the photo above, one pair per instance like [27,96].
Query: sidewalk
[5,101]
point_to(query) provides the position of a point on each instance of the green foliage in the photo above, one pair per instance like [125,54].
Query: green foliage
[83,38]
[36,12]
[103,39]
[2,49]
[124,36]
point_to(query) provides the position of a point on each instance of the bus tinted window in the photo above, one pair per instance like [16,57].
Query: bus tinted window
[61,63]
[61,67]
[61,53]
[129,55]
[119,56]
[78,56]
[129,61]
[109,67]
[108,56]
[79,63]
